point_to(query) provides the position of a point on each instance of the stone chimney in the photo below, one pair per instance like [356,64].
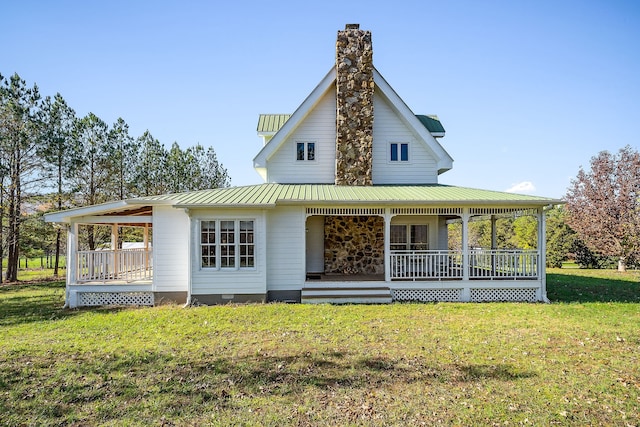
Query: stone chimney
[354,89]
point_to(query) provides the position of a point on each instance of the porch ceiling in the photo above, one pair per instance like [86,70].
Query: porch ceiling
[121,212]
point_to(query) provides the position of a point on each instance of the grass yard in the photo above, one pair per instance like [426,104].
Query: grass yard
[574,362]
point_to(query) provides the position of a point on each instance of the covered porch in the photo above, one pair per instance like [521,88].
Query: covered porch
[423,263]
[110,258]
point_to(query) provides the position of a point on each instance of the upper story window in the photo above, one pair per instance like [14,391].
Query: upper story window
[305,151]
[227,244]
[399,151]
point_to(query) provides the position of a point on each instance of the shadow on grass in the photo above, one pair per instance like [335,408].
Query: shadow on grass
[218,378]
[32,302]
[291,374]
[181,385]
[573,288]
[23,303]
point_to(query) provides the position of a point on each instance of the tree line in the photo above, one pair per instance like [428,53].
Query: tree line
[51,157]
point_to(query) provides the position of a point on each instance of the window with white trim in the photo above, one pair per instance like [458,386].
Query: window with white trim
[208,244]
[305,150]
[246,246]
[399,151]
[409,237]
[227,244]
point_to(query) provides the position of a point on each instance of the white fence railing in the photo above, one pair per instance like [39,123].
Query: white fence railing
[127,265]
[448,265]
[426,265]
[503,263]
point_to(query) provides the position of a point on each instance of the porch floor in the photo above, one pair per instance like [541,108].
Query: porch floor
[323,277]
[115,282]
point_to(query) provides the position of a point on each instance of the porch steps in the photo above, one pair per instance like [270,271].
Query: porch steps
[348,294]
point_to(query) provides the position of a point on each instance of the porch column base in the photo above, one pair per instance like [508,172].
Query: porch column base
[465,295]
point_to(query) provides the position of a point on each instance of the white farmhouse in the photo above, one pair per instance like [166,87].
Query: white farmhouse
[350,212]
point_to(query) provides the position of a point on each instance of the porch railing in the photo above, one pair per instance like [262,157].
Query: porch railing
[426,265]
[503,264]
[126,265]
[448,265]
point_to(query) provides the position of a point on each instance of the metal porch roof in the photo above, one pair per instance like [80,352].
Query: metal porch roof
[268,195]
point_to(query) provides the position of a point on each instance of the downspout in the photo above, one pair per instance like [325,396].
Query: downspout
[189,259]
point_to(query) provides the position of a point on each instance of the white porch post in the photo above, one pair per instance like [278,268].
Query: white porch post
[494,243]
[387,245]
[145,240]
[466,292]
[114,248]
[542,254]
[494,240]
[72,264]
[72,253]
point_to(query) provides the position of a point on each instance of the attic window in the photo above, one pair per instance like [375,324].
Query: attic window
[399,152]
[305,151]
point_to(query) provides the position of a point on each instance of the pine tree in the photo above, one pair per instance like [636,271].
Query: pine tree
[20,139]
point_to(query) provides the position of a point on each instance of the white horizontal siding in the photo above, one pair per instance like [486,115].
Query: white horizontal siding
[170,249]
[286,248]
[212,281]
[388,127]
[319,127]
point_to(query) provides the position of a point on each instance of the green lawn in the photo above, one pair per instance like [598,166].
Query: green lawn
[573,362]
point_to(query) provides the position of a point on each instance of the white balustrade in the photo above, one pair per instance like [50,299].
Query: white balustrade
[503,263]
[447,265]
[426,265]
[126,265]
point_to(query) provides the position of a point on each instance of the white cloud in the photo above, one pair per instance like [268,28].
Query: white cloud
[522,187]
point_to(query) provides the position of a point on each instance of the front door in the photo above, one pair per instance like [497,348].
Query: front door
[315,244]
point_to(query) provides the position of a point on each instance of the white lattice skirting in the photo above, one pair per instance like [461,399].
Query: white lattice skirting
[455,295]
[519,294]
[427,295]
[114,298]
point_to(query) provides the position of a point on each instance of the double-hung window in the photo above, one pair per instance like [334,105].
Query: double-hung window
[227,244]
[305,150]
[409,237]
[399,151]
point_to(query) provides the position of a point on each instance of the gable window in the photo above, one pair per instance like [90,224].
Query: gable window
[305,151]
[399,151]
[410,237]
[227,244]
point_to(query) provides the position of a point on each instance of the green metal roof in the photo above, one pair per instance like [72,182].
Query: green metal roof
[431,122]
[269,195]
[272,122]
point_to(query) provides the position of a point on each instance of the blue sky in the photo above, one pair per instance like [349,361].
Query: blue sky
[528,91]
